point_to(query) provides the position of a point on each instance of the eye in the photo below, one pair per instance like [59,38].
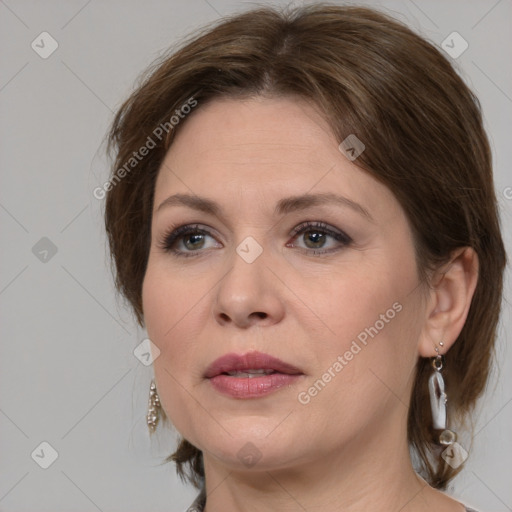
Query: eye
[191,240]
[185,239]
[316,235]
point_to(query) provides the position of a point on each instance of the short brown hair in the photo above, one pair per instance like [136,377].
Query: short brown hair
[373,77]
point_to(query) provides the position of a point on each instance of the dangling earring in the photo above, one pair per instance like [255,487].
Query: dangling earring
[438,400]
[154,407]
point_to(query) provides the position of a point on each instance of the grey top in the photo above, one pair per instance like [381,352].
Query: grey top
[200,501]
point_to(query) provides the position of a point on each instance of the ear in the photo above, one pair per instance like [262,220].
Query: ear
[449,300]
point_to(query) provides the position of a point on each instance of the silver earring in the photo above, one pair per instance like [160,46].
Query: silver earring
[154,407]
[438,401]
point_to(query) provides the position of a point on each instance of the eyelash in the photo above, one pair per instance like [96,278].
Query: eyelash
[170,237]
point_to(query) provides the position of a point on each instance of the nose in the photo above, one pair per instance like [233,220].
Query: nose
[249,294]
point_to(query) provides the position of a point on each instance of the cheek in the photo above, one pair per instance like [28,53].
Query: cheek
[169,305]
[370,317]
[158,306]
[174,318]
[364,372]
[353,300]
[164,314]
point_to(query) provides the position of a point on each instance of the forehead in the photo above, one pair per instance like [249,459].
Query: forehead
[260,149]
[263,135]
[257,127]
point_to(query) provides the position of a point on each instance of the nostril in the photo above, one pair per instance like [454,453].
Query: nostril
[257,316]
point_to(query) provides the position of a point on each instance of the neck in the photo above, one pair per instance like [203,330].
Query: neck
[371,472]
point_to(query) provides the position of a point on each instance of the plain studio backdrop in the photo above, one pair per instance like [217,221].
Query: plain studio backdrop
[73,395]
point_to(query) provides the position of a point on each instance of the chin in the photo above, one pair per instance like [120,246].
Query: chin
[247,454]
[252,444]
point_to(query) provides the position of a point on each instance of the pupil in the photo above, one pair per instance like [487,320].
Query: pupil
[316,237]
[194,238]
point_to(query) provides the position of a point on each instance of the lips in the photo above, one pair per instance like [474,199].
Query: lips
[250,376]
[255,363]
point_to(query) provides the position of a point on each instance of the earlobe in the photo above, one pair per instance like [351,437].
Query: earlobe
[450,298]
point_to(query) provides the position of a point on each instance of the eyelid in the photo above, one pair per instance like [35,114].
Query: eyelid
[343,240]
[176,232]
[321,226]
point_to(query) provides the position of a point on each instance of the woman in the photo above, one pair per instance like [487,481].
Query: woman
[301,213]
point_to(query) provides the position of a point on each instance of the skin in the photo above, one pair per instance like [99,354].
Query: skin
[346,449]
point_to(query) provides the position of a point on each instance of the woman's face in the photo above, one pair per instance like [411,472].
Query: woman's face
[280,267]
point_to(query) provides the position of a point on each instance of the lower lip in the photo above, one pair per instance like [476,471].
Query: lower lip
[252,387]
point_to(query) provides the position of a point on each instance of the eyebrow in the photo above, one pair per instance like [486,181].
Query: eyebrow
[283,206]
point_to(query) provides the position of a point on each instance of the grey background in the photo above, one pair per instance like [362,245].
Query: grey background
[68,373]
